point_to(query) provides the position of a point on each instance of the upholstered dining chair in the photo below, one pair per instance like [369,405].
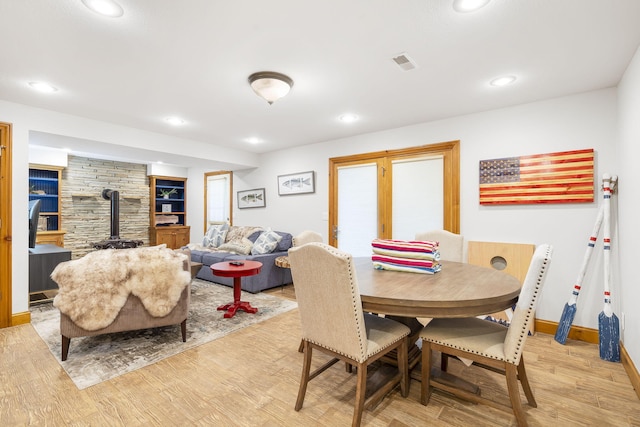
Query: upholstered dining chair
[306,236]
[451,244]
[489,344]
[333,322]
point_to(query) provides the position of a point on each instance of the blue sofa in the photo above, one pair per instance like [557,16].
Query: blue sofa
[270,275]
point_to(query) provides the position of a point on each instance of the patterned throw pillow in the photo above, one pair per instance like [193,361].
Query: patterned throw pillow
[266,243]
[215,235]
[239,247]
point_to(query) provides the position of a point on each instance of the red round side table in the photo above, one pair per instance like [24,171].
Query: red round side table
[226,269]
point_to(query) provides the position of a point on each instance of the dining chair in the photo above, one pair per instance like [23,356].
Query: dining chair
[488,344]
[334,323]
[451,244]
[306,236]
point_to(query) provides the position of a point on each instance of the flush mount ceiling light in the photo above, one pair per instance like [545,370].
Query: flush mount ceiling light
[464,6]
[105,7]
[270,85]
[253,140]
[174,121]
[43,87]
[503,81]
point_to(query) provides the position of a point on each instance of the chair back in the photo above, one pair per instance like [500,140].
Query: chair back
[328,299]
[523,314]
[307,236]
[451,244]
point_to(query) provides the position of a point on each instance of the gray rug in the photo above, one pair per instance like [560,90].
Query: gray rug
[95,359]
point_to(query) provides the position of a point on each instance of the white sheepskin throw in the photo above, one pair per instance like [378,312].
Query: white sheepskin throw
[95,287]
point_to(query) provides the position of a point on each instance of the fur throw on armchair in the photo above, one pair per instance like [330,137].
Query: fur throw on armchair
[94,288]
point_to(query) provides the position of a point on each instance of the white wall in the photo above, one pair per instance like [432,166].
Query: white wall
[587,120]
[629,125]
[582,121]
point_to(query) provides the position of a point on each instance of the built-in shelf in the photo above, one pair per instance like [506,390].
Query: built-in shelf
[83,196]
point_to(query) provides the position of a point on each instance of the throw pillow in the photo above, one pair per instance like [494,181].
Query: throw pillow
[215,235]
[240,247]
[266,243]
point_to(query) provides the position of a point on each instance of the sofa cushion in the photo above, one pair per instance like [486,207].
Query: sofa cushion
[242,247]
[285,243]
[266,243]
[239,232]
[215,235]
[214,257]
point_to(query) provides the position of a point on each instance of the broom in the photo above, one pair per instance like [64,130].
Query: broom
[569,311]
[608,323]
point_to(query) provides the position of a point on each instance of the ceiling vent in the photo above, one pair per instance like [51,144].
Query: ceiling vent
[405,62]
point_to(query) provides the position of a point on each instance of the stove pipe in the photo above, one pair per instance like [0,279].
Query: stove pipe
[114,196]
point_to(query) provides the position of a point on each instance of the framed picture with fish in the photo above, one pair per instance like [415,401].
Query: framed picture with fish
[296,183]
[251,199]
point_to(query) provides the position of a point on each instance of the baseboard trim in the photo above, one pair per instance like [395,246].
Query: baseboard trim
[591,336]
[630,368]
[579,333]
[20,318]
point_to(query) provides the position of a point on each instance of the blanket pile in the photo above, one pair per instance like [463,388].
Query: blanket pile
[94,288]
[406,255]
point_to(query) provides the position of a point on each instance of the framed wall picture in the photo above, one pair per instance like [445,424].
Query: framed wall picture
[296,183]
[251,198]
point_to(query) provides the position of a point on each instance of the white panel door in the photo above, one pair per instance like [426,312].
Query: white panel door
[418,201]
[357,208]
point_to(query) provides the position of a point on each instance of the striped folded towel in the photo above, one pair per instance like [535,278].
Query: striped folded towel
[412,265]
[406,255]
[407,249]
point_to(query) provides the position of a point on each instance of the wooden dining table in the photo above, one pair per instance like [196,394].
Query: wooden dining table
[457,290]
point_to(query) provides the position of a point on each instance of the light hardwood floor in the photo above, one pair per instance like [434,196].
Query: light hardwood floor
[250,378]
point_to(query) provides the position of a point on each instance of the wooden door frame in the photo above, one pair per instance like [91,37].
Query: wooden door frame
[6,308]
[450,152]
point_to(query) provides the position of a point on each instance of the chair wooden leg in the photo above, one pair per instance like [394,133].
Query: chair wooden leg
[65,347]
[514,394]
[425,389]
[403,367]
[183,329]
[304,380]
[361,391]
[444,362]
[522,376]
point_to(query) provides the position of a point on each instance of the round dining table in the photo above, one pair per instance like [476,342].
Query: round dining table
[457,290]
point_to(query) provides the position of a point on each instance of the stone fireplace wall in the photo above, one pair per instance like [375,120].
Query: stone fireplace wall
[86,215]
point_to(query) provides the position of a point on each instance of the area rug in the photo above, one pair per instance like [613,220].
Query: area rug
[95,359]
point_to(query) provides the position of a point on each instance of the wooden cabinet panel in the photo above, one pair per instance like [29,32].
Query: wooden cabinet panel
[174,237]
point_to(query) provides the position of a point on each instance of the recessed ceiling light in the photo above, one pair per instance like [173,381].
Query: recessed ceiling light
[105,7]
[253,140]
[348,118]
[43,87]
[464,6]
[503,81]
[174,121]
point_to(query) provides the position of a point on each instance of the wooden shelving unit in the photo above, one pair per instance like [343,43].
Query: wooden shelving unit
[168,214]
[45,184]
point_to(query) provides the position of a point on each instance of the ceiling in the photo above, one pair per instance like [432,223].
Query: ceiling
[192,58]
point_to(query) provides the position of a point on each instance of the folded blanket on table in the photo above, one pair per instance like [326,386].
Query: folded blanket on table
[421,249]
[412,265]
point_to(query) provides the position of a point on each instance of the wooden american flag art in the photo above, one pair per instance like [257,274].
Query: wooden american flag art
[562,177]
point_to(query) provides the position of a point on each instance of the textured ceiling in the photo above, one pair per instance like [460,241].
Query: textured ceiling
[192,58]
